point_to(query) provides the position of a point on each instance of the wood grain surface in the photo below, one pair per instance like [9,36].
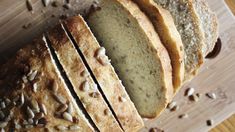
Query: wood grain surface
[217,75]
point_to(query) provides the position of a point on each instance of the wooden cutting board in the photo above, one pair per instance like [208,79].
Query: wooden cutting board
[217,75]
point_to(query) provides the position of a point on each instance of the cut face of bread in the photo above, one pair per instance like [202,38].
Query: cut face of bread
[104,73]
[170,37]
[38,98]
[188,24]
[83,84]
[136,53]
[209,24]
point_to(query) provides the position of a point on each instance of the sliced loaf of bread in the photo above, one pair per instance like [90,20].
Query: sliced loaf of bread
[170,37]
[34,94]
[83,84]
[209,24]
[137,54]
[104,73]
[188,24]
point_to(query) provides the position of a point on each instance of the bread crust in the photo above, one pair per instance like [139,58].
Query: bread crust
[170,37]
[37,93]
[75,68]
[105,75]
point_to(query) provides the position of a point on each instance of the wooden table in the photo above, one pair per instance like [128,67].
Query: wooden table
[229,124]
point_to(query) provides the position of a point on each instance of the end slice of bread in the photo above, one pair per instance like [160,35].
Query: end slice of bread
[137,54]
[188,25]
[82,82]
[170,37]
[37,94]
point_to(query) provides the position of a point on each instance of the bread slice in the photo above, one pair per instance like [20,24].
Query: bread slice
[104,73]
[82,82]
[34,96]
[170,37]
[209,23]
[139,57]
[188,24]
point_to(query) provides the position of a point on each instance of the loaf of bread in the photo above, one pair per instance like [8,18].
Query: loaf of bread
[33,95]
[81,80]
[105,75]
[170,37]
[136,52]
[188,24]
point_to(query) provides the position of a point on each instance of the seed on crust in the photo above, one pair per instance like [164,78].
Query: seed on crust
[74,127]
[35,106]
[62,108]
[28,126]
[2,115]
[183,116]
[209,122]
[85,73]
[43,108]
[30,113]
[194,98]
[67,116]
[39,115]
[100,52]
[2,105]
[103,60]
[61,128]
[22,99]
[29,5]
[211,95]
[107,112]
[46,2]
[85,86]
[35,87]
[70,109]
[24,79]
[171,105]
[60,98]
[122,99]
[32,75]
[94,95]
[54,87]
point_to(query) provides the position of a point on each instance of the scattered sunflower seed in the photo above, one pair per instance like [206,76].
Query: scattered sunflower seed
[189,91]
[193,98]
[29,5]
[94,94]
[104,60]
[183,116]
[35,87]
[2,105]
[2,115]
[32,75]
[100,52]
[18,126]
[175,108]
[209,122]
[30,121]
[8,101]
[2,130]
[171,105]
[74,127]
[46,2]
[35,106]
[39,116]
[24,78]
[211,95]
[67,116]
[54,87]
[22,99]
[28,126]
[85,73]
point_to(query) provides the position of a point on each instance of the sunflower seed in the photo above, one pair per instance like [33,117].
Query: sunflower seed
[100,52]
[194,98]
[39,116]
[55,87]
[35,122]
[61,128]
[46,2]
[94,95]
[43,108]
[85,86]
[32,75]
[22,85]
[2,115]
[8,101]
[209,122]
[70,108]
[171,105]
[211,95]
[107,112]
[18,126]
[30,121]
[62,108]
[3,124]
[35,87]
[60,98]
[122,99]
[22,99]
[2,105]
[30,113]
[104,60]
[189,91]
[35,106]
[183,116]
[25,122]
[2,130]
[29,5]
[28,126]
[74,127]
[67,116]
[85,73]
[24,79]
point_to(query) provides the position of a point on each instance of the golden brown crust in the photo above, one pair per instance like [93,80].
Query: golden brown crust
[36,93]
[82,82]
[105,75]
[170,37]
